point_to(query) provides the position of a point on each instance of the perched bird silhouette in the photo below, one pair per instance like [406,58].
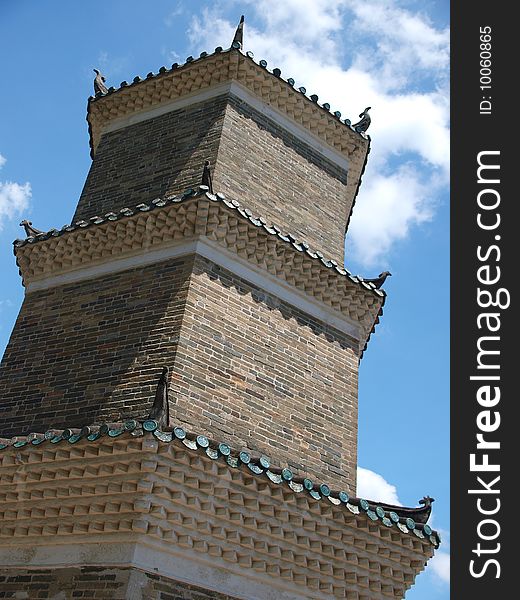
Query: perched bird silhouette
[365,121]
[379,281]
[206,177]
[99,83]
[160,409]
[30,231]
[239,33]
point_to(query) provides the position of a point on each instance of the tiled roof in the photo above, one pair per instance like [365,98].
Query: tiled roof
[407,520]
[300,246]
[216,69]
[260,222]
[276,72]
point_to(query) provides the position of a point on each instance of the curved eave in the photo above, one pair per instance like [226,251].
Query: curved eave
[275,73]
[419,514]
[245,213]
[258,466]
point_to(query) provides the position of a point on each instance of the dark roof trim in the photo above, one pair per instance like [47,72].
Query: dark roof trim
[358,185]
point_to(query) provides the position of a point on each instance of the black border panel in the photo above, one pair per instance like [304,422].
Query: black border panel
[484,229]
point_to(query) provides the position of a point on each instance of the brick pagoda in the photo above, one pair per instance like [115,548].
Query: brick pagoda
[178,414]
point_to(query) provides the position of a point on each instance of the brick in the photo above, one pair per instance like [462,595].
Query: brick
[254,160]
[155,587]
[149,159]
[271,405]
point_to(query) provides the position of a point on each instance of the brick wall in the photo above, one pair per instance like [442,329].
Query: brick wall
[98,583]
[246,368]
[149,159]
[254,161]
[282,179]
[252,370]
[92,351]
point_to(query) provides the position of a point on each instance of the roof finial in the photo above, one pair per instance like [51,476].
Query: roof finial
[30,231]
[239,33]
[206,176]
[427,501]
[380,280]
[99,84]
[364,124]
[160,410]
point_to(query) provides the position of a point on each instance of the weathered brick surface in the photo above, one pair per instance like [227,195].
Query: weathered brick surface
[255,371]
[67,583]
[246,367]
[282,179]
[92,351]
[254,161]
[149,159]
[156,587]
[97,583]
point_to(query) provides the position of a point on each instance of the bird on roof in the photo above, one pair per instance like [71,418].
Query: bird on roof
[99,83]
[364,123]
[239,33]
[206,176]
[379,281]
[160,409]
[30,231]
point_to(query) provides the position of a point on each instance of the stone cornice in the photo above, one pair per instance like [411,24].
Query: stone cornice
[184,493]
[166,222]
[406,519]
[213,70]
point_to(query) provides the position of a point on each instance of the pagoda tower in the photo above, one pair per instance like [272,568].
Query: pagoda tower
[178,414]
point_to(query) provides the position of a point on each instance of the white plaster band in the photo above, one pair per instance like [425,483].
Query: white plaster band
[174,563]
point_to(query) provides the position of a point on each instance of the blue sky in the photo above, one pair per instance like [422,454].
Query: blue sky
[392,56]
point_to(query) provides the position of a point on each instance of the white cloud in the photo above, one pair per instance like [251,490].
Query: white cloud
[400,200]
[356,54]
[402,44]
[172,16]
[14,198]
[440,565]
[307,22]
[372,486]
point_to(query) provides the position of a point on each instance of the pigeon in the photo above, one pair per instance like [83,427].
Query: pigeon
[30,231]
[379,281]
[160,409]
[364,123]
[239,33]
[206,177]
[99,83]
